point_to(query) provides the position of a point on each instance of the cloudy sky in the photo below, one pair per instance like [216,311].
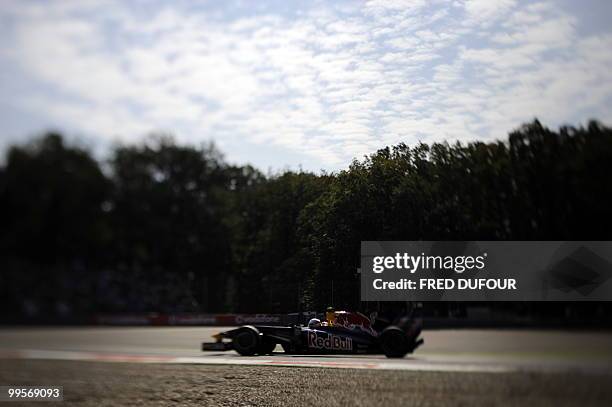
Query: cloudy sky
[281,84]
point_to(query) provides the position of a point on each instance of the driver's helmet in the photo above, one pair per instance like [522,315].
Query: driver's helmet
[314,323]
[330,316]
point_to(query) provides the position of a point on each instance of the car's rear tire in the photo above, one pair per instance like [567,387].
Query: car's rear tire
[266,346]
[394,342]
[247,341]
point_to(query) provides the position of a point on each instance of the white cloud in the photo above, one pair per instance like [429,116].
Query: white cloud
[329,84]
[487,12]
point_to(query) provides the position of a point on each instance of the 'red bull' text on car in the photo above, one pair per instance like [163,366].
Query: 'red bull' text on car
[341,333]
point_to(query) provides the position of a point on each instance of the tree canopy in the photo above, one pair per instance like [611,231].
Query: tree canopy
[168,227]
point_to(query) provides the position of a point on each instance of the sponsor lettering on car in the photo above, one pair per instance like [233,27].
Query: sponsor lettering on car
[322,340]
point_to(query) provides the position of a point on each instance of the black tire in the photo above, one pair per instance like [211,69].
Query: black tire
[394,342]
[247,341]
[287,348]
[266,346]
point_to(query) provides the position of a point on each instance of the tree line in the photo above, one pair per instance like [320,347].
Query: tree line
[164,227]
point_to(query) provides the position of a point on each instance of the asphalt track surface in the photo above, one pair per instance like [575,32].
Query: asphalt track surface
[443,351]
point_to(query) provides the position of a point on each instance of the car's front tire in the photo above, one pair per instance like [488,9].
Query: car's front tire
[247,341]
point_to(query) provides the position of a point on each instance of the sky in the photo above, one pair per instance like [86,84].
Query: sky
[310,84]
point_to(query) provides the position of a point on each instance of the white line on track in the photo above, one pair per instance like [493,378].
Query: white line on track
[341,363]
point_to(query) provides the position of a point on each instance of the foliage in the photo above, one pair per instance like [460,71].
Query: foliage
[175,228]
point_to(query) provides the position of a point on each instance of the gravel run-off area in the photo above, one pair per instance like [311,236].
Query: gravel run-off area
[115,384]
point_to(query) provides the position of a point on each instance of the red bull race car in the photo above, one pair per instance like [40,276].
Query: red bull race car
[342,333]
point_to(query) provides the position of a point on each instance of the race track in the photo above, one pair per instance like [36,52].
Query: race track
[444,350]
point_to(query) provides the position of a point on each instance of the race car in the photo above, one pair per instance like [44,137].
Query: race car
[347,333]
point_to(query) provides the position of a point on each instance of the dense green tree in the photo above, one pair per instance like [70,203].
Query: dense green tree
[170,241]
[169,228]
[540,185]
[54,227]
[271,263]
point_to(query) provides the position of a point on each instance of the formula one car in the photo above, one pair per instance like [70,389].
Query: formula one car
[348,333]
